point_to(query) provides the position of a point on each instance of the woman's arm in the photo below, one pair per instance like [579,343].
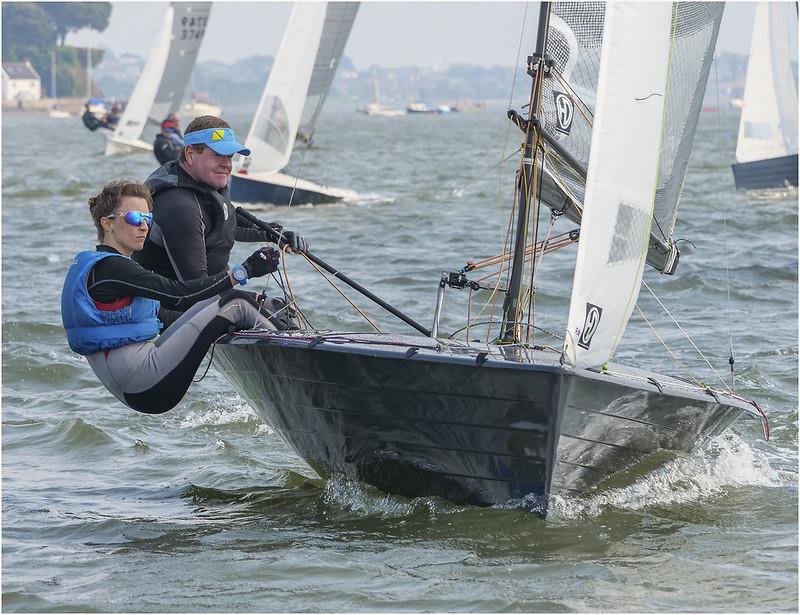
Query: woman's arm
[113,278]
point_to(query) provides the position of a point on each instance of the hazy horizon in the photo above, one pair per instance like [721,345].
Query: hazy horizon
[388,34]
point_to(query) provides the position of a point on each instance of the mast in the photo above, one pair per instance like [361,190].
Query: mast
[88,72]
[536,68]
[53,75]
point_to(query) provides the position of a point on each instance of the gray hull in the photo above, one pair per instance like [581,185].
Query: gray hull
[453,422]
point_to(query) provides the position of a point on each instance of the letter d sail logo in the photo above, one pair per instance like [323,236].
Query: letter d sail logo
[593,314]
[565,112]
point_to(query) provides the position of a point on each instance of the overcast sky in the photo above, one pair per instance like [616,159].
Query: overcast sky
[385,33]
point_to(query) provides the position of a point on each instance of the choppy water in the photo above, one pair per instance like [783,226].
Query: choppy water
[206,509]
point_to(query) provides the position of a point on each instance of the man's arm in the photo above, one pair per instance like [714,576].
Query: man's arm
[248,232]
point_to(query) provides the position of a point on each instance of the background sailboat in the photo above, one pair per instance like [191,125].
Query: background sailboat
[55,111]
[513,419]
[160,88]
[375,107]
[298,83]
[766,150]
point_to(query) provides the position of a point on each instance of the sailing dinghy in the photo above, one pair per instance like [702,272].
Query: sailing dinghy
[291,102]
[766,150]
[616,90]
[160,88]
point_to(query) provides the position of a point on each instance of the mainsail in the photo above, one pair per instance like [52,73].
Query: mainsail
[161,85]
[575,36]
[339,19]
[304,67]
[768,125]
[620,194]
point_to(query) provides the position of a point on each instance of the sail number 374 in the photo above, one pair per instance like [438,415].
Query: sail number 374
[193,28]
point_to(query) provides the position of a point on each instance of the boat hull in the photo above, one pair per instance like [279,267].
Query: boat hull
[115,147]
[477,430]
[280,189]
[770,173]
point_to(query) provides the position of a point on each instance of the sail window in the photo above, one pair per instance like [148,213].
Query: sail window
[632,223]
[757,130]
[273,124]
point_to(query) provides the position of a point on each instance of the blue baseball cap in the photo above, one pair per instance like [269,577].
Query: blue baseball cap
[221,140]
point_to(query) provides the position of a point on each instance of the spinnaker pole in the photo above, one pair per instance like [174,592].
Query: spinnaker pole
[536,69]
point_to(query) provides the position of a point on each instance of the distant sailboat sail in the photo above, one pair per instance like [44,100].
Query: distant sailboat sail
[306,62]
[277,119]
[766,150]
[339,18]
[574,43]
[621,184]
[162,83]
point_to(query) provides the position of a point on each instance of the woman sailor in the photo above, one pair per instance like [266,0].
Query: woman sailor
[109,305]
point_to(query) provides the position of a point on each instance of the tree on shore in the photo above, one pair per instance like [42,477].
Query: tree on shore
[73,16]
[32,30]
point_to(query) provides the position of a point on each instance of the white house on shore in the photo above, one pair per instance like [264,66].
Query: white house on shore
[21,82]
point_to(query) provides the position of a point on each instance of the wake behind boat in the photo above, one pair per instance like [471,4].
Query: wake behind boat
[521,418]
[289,109]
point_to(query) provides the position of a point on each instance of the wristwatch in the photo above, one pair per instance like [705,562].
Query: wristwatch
[239,274]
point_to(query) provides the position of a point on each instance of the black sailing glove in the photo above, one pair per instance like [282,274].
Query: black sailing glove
[261,262]
[294,241]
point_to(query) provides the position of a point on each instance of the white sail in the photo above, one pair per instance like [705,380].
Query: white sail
[188,29]
[622,178]
[277,119]
[768,124]
[339,18]
[166,71]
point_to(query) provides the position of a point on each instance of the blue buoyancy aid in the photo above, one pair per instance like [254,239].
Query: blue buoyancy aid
[90,329]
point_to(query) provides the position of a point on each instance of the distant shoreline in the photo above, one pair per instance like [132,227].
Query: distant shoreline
[74,106]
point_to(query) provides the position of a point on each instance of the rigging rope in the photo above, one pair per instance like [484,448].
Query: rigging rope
[731,359]
[338,290]
[682,330]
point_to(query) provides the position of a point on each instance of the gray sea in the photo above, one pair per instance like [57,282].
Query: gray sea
[206,509]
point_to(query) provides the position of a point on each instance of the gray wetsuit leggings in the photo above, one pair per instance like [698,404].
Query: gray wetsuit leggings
[153,376]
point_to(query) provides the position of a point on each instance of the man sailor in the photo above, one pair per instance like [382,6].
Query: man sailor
[168,143]
[195,224]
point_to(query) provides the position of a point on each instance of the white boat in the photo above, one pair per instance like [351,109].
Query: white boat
[55,111]
[616,91]
[309,54]
[160,88]
[376,108]
[199,105]
[766,150]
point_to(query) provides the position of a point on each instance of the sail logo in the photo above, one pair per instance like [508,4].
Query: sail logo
[565,112]
[218,135]
[590,325]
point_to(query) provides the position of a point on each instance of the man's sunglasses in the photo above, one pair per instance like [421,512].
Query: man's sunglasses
[134,217]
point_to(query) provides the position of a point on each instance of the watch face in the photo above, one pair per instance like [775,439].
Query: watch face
[239,273]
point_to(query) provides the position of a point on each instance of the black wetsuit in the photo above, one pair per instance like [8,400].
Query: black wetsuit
[112,279]
[194,229]
[166,149]
[153,376]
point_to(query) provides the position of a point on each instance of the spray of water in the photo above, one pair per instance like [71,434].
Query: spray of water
[727,462]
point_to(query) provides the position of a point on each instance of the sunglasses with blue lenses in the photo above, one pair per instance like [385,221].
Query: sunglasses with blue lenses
[134,217]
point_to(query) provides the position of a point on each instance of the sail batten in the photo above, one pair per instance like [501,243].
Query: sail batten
[622,179]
